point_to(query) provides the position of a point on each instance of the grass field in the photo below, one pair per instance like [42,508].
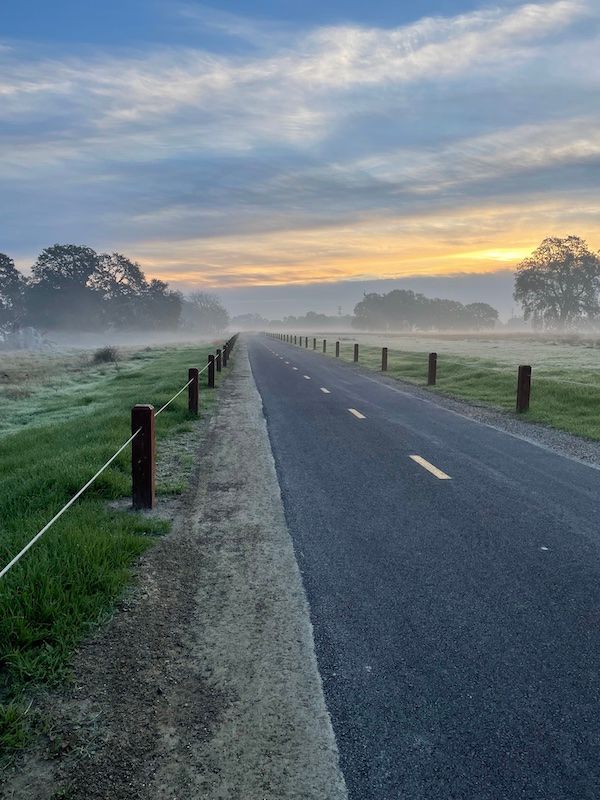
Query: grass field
[62,418]
[483,369]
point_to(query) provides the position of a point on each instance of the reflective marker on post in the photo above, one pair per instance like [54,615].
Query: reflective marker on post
[143,457]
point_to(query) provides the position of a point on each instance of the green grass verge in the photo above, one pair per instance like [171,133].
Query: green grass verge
[564,398]
[69,579]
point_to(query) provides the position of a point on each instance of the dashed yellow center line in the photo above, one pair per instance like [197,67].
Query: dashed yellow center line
[431,468]
[324,390]
[356,413]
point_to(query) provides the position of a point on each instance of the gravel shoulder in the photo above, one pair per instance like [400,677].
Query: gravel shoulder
[204,683]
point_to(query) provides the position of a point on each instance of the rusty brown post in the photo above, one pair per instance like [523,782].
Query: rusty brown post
[432,370]
[211,372]
[384,352]
[337,349]
[356,351]
[523,388]
[324,345]
[193,390]
[314,344]
[143,457]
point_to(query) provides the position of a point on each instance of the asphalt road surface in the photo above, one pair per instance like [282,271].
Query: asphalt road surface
[453,577]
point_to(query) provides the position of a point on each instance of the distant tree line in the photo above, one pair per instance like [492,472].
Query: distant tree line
[72,287]
[402,309]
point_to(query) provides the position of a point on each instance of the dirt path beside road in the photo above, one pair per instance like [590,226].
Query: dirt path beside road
[204,684]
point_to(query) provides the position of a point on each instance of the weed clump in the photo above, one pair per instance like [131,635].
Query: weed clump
[106,355]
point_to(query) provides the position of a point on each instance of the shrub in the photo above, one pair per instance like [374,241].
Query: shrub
[106,355]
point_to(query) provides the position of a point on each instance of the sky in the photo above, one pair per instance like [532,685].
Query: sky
[292,154]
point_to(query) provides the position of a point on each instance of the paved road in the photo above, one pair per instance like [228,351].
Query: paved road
[457,621]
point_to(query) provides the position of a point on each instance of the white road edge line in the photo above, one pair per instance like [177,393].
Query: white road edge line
[430,468]
[356,413]
[324,390]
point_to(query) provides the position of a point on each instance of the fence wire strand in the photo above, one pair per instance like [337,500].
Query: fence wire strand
[76,496]
[66,506]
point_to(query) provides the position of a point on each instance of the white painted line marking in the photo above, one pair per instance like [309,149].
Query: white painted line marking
[324,390]
[430,468]
[287,362]
[296,368]
[307,377]
[544,548]
[356,413]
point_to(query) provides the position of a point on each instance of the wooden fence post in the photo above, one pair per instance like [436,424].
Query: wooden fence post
[211,372]
[324,345]
[314,344]
[193,390]
[523,388]
[306,341]
[356,352]
[432,370]
[384,352]
[218,359]
[143,457]
[337,349]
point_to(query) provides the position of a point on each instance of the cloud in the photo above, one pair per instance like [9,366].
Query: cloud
[330,148]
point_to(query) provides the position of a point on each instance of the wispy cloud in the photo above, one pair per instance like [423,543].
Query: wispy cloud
[309,136]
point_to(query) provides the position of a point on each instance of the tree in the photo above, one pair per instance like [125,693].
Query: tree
[12,288]
[405,310]
[206,313]
[161,308]
[121,284]
[559,284]
[482,316]
[61,294]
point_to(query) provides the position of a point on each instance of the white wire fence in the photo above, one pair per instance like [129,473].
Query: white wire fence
[214,362]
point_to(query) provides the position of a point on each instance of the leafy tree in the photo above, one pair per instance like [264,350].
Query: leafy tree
[206,313]
[407,310]
[65,265]
[559,284]
[61,294]
[482,315]
[121,284]
[161,307]
[12,288]
[250,322]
